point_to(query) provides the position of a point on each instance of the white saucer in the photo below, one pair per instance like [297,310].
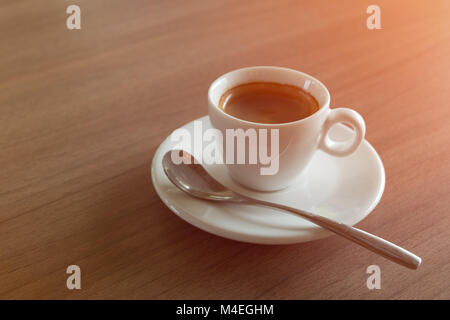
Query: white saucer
[344,189]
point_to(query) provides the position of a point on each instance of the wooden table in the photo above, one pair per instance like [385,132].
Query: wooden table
[83,111]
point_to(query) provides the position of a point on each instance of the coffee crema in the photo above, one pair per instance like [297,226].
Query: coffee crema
[268,102]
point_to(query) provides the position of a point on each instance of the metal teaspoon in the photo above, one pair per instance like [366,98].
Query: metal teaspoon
[195,180]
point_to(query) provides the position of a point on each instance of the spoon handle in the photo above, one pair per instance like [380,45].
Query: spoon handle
[376,244]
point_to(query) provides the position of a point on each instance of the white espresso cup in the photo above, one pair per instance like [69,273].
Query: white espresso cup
[298,140]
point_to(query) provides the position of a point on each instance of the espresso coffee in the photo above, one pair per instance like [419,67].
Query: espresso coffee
[268,102]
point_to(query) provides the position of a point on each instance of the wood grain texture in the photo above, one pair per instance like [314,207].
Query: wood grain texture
[83,111]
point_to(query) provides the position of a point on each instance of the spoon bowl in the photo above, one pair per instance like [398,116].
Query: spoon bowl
[192,178]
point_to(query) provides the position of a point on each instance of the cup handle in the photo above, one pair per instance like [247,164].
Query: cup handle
[342,148]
